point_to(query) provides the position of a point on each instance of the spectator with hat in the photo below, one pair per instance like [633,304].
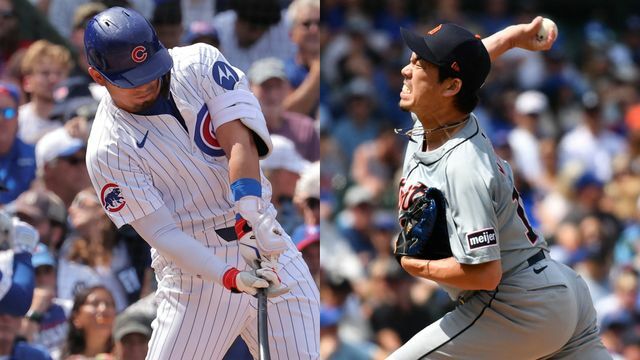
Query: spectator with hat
[283,168]
[61,164]
[17,159]
[202,32]
[310,249]
[357,219]
[251,30]
[44,66]
[307,199]
[46,212]
[270,85]
[523,139]
[46,321]
[132,330]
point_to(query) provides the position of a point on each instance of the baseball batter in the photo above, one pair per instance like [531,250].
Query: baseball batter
[515,302]
[174,152]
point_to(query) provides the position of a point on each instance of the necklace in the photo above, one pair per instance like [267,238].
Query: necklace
[420,131]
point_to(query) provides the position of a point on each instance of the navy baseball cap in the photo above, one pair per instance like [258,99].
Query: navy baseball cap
[453,47]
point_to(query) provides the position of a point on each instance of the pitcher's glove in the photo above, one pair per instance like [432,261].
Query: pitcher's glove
[424,232]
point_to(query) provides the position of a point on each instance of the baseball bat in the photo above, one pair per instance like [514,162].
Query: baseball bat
[263,330]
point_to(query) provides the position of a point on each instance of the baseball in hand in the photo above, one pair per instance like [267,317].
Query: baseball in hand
[543,33]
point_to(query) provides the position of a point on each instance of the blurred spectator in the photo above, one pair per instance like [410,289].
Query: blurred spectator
[44,66]
[9,33]
[97,245]
[270,85]
[590,143]
[46,212]
[624,299]
[307,200]
[61,165]
[91,323]
[303,69]
[310,249]
[357,221]
[132,330]
[529,106]
[61,11]
[376,161]
[359,124]
[81,17]
[251,30]
[17,159]
[202,32]
[331,345]
[46,321]
[283,168]
[167,20]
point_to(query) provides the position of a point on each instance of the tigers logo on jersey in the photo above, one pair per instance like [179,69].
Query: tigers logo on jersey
[224,75]
[408,193]
[205,136]
[111,197]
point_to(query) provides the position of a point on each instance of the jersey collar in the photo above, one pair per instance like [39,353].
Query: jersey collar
[470,129]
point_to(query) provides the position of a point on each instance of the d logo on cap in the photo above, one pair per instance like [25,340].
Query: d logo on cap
[139,54]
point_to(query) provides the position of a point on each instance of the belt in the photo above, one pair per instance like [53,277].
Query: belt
[535,258]
[228,234]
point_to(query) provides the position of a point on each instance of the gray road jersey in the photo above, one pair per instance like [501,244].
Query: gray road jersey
[485,217]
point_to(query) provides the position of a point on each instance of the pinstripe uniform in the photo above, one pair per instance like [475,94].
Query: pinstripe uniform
[540,308]
[138,163]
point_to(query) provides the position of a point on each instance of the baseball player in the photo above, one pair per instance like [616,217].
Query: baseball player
[515,302]
[174,152]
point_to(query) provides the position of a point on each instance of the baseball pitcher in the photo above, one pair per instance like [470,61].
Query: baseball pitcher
[174,152]
[463,221]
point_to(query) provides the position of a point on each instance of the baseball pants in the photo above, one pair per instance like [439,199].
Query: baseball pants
[198,319]
[541,314]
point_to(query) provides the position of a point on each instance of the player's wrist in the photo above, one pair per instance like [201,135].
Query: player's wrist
[246,187]
[229,280]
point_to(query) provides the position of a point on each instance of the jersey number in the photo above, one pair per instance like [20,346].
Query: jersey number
[531,235]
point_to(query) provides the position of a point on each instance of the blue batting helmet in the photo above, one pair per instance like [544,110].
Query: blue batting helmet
[124,48]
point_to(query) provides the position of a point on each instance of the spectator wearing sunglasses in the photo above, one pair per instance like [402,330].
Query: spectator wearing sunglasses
[60,164]
[303,69]
[17,159]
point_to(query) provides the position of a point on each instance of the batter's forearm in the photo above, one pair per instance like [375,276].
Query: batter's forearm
[449,271]
[239,145]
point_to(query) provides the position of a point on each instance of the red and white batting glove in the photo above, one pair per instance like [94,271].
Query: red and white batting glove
[269,272]
[243,281]
[260,218]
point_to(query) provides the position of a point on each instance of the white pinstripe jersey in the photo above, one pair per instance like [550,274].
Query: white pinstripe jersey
[485,217]
[138,163]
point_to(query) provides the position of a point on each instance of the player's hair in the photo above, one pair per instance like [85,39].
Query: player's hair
[297,5]
[465,100]
[76,340]
[45,51]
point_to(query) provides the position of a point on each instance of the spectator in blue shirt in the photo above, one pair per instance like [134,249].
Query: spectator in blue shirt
[17,159]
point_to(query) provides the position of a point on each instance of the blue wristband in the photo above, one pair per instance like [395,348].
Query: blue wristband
[244,187]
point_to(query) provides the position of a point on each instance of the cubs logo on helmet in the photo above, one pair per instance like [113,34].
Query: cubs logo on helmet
[139,54]
[205,136]
[111,197]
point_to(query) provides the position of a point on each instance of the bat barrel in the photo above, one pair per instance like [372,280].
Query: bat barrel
[263,330]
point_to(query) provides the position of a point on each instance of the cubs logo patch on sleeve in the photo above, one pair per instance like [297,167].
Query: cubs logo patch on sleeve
[482,238]
[111,197]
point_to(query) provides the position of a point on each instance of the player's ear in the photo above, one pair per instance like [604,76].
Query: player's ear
[452,86]
[96,76]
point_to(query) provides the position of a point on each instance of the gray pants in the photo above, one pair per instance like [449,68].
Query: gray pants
[544,315]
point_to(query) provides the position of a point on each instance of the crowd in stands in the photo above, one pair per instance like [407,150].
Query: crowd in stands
[94,284]
[567,120]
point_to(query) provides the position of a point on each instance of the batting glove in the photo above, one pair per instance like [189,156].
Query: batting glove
[268,271]
[259,218]
[243,281]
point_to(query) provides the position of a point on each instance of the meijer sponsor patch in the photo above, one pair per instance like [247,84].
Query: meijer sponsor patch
[482,238]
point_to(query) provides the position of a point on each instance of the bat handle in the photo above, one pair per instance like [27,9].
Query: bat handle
[263,330]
